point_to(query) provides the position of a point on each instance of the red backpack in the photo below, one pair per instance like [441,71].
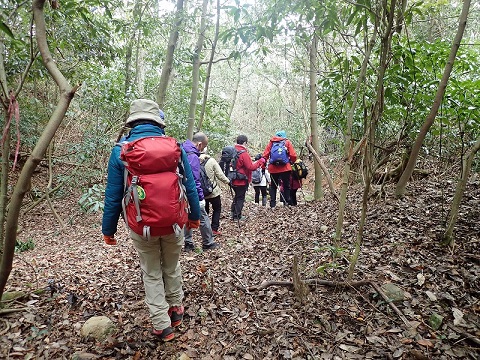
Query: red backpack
[154,194]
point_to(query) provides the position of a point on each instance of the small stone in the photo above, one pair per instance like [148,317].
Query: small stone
[393,292]
[98,327]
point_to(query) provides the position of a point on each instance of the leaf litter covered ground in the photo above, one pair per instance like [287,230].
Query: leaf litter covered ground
[229,317]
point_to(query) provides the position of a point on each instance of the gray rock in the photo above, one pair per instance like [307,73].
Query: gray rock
[393,292]
[98,327]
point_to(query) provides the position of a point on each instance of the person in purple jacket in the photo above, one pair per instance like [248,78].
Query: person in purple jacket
[193,149]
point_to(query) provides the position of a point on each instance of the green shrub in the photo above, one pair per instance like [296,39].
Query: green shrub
[92,200]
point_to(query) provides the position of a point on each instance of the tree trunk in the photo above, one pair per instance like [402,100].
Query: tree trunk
[168,64]
[4,184]
[6,145]
[137,17]
[324,169]
[348,156]
[5,149]
[23,184]
[196,71]
[377,113]
[318,190]
[140,67]
[401,16]
[209,68]
[448,237]
[128,68]
[361,227]
[235,90]
[412,161]
[370,131]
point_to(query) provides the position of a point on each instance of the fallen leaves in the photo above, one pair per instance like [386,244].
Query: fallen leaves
[224,320]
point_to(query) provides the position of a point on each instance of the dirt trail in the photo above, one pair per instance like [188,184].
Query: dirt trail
[224,320]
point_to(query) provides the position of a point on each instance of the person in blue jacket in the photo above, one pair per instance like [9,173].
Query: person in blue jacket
[159,255]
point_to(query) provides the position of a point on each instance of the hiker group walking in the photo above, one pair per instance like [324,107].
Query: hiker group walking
[163,190]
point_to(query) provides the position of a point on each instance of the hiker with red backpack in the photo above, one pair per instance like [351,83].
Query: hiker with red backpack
[215,174]
[243,169]
[280,154]
[193,148]
[149,177]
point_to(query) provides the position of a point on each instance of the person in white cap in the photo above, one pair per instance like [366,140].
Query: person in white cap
[159,251]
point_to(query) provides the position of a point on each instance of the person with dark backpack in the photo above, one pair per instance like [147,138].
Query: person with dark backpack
[208,186]
[280,154]
[215,174]
[228,162]
[242,168]
[149,177]
[260,181]
[193,148]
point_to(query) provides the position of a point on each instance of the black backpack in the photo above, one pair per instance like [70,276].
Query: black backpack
[205,182]
[228,163]
[257,175]
[299,170]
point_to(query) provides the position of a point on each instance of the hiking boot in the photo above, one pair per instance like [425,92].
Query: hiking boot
[165,334]
[176,315]
[216,233]
[188,247]
[211,246]
[242,218]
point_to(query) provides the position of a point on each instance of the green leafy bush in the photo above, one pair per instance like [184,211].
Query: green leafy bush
[21,246]
[92,200]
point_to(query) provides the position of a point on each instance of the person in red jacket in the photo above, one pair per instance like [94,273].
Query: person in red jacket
[280,153]
[244,167]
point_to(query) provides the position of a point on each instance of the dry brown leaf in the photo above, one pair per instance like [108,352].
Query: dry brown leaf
[425,342]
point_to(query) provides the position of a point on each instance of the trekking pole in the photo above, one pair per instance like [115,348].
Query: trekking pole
[303,194]
[281,195]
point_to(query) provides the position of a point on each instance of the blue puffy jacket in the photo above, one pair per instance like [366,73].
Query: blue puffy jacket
[115,186]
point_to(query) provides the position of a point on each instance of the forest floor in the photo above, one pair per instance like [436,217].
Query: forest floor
[230,315]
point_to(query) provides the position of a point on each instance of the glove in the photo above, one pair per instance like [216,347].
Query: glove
[109,240]
[202,203]
[193,224]
[262,161]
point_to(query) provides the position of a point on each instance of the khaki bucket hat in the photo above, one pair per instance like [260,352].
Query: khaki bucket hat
[144,109]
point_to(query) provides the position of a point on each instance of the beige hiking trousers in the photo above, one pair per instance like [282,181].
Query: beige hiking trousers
[161,273]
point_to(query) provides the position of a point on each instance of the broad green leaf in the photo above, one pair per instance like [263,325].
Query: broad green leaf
[6,30]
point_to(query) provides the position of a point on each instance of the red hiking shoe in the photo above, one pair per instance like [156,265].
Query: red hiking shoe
[165,334]
[176,315]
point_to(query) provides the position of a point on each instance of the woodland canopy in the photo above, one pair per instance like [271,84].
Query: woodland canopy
[381,98]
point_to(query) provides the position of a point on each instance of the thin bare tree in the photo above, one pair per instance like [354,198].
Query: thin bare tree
[66,93]
[196,71]
[401,187]
[209,68]
[448,236]
[168,64]
[318,191]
